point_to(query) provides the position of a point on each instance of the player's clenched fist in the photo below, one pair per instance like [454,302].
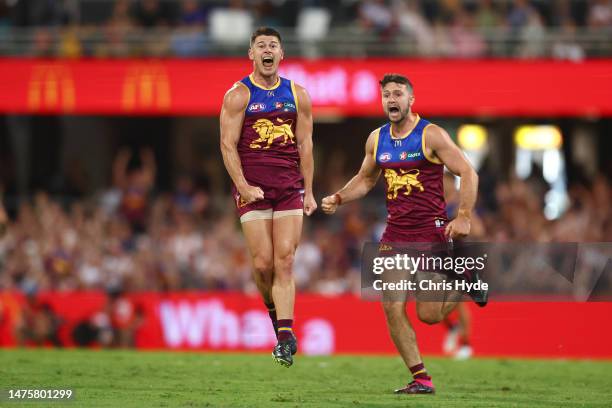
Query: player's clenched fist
[310,204]
[458,228]
[330,204]
[250,194]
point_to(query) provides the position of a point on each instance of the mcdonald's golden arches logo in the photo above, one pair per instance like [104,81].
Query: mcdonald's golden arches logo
[146,86]
[51,87]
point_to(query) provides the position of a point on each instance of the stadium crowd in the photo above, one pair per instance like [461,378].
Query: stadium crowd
[455,28]
[132,238]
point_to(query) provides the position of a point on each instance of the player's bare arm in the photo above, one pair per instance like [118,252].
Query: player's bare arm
[149,168]
[303,133]
[120,166]
[232,116]
[440,145]
[359,185]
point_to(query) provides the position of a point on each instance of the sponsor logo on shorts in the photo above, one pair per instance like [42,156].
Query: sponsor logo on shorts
[384,157]
[256,107]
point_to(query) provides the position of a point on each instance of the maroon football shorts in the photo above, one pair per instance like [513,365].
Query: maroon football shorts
[403,236]
[423,243]
[283,190]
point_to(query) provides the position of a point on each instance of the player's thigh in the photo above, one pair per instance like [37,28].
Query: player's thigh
[258,236]
[286,233]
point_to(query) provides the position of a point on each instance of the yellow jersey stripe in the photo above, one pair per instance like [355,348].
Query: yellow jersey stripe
[295,97]
[276,85]
[376,143]
[424,148]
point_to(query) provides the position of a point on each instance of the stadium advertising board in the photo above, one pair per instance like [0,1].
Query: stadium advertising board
[326,325]
[337,86]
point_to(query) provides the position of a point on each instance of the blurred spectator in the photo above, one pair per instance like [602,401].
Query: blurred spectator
[307,263]
[532,36]
[600,14]
[36,323]
[116,31]
[376,16]
[189,39]
[43,44]
[70,45]
[565,45]
[150,13]
[467,41]
[412,22]
[192,13]
[266,14]
[520,14]
[114,325]
[188,198]
[118,320]
[487,16]
[134,185]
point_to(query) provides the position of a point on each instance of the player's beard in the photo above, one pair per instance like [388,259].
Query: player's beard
[403,115]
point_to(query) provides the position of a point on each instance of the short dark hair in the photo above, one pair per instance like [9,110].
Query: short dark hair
[398,79]
[265,31]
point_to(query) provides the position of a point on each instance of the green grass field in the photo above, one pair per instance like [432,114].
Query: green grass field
[163,379]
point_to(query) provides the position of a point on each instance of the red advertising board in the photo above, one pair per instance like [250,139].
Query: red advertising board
[327,325]
[345,87]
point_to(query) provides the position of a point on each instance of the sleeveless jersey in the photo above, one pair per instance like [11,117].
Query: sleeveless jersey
[268,130]
[415,193]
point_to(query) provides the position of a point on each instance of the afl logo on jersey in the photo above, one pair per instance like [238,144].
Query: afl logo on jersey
[385,157]
[257,107]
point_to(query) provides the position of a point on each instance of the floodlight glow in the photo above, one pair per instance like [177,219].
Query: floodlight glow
[540,137]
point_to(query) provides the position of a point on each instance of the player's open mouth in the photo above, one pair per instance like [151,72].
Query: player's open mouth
[393,109]
[267,61]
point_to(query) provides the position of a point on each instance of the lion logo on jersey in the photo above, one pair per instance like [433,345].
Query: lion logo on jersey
[268,132]
[405,178]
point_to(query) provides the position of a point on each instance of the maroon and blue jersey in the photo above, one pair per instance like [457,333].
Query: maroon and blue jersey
[268,130]
[415,191]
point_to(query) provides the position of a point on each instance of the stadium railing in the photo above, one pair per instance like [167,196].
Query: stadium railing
[94,41]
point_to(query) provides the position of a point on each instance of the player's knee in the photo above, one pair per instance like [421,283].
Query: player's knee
[263,265]
[429,315]
[283,262]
